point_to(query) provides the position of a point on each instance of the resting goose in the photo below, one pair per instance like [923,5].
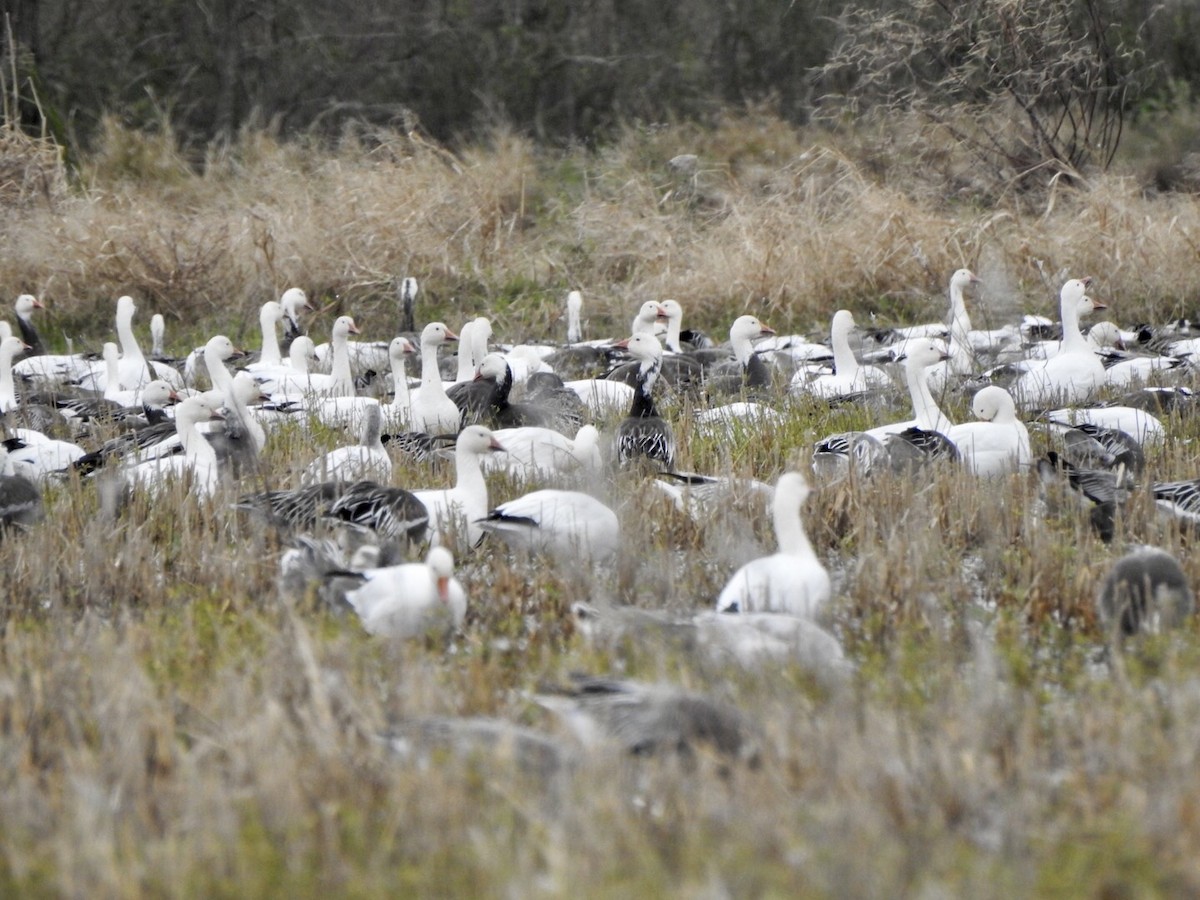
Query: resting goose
[242,438]
[23,308]
[40,458]
[467,501]
[296,508]
[199,459]
[432,411]
[962,349]
[397,413]
[850,378]
[390,512]
[1075,372]
[411,600]
[135,370]
[365,460]
[20,499]
[752,372]
[1145,590]
[999,442]
[792,581]
[535,452]
[643,433]
[571,525]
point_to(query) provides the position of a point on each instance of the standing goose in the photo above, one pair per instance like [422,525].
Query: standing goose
[962,352]
[792,581]
[242,439]
[643,433]
[135,370]
[398,412]
[999,442]
[1076,372]
[432,411]
[270,356]
[467,501]
[574,317]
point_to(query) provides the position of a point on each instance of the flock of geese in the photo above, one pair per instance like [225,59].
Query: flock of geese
[149,422]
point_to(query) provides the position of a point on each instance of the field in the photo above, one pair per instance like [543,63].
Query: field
[172,724]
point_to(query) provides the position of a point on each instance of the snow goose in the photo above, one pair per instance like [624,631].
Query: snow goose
[467,364]
[1141,425]
[1179,499]
[242,437]
[23,307]
[849,453]
[9,348]
[755,639]
[199,459]
[39,457]
[752,372]
[571,525]
[1145,590]
[643,433]
[647,719]
[292,379]
[486,391]
[270,356]
[548,392]
[432,411]
[390,512]
[467,501]
[398,412]
[962,350]
[679,369]
[295,508]
[850,378]
[999,442]
[648,317]
[700,497]
[411,600]
[135,369]
[574,317]
[535,452]
[792,581]
[1076,371]
[20,499]
[407,292]
[366,459]
[921,353]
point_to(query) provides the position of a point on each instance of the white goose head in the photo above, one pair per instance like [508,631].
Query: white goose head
[292,301]
[649,313]
[441,567]
[398,348]
[343,327]
[993,404]
[477,441]
[26,304]
[221,347]
[749,328]
[436,333]
[158,394]
[962,279]
[493,368]
[921,353]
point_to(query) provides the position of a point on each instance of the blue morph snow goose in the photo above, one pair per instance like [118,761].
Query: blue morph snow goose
[644,433]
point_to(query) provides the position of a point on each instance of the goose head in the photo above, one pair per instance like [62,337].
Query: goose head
[477,440]
[748,328]
[292,301]
[343,327]
[993,403]
[1090,305]
[843,323]
[222,348]
[1105,334]
[399,347]
[493,368]
[302,353]
[643,347]
[200,408]
[10,347]
[271,313]
[441,567]
[963,279]
[920,353]
[158,394]
[1073,291]
[436,333]
[246,389]
[672,311]
[574,302]
[125,309]
[26,304]
[649,313]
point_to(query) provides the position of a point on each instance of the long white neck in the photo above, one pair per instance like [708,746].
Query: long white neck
[574,320]
[400,398]
[466,354]
[340,368]
[217,373]
[112,371]
[843,357]
[198,451]
[789,529]
[743,347]
[469,480]
[271,353]
[237,407]
[926,412]
[674,328]
[958,309]
[1073,339]
[8,389]
[429,366]
[125,336]
[298,355]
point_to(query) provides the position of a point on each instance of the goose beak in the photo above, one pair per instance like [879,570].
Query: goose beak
[1087,280]
[450,335]
[496,447]
[943,356]
[622,344]
[217,414]
[354,328]
[1098,304]
[38,304]
[767,331]
[173,397]
[975,279]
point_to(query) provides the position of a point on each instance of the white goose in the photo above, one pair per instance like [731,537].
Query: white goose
[270,357]
[9,348]
[366,460]
[432,411]
[397,413]
[792,581]
[199,459]
[962,351]
[411,600]
[291,379]
[467,501]
[533,451]
[574,317]
[850,377]
[921,354]
[135,370]
[999,442]
[1076,372]
[571,525]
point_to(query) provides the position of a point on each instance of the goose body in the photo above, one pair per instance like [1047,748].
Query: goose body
[534,451]
[791,581]
[851,378]
[432,411]
[643,433]
[411,600]
[467,502]
[365,460]
[199,459]
[1075,372]
[567,524]
[999,442]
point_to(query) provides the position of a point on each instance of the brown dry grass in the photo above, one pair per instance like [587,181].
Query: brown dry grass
[171,725]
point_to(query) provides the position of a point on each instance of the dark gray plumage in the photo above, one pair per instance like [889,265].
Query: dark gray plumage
[1145,590]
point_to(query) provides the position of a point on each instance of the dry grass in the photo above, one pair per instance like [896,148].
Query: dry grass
[170,724]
